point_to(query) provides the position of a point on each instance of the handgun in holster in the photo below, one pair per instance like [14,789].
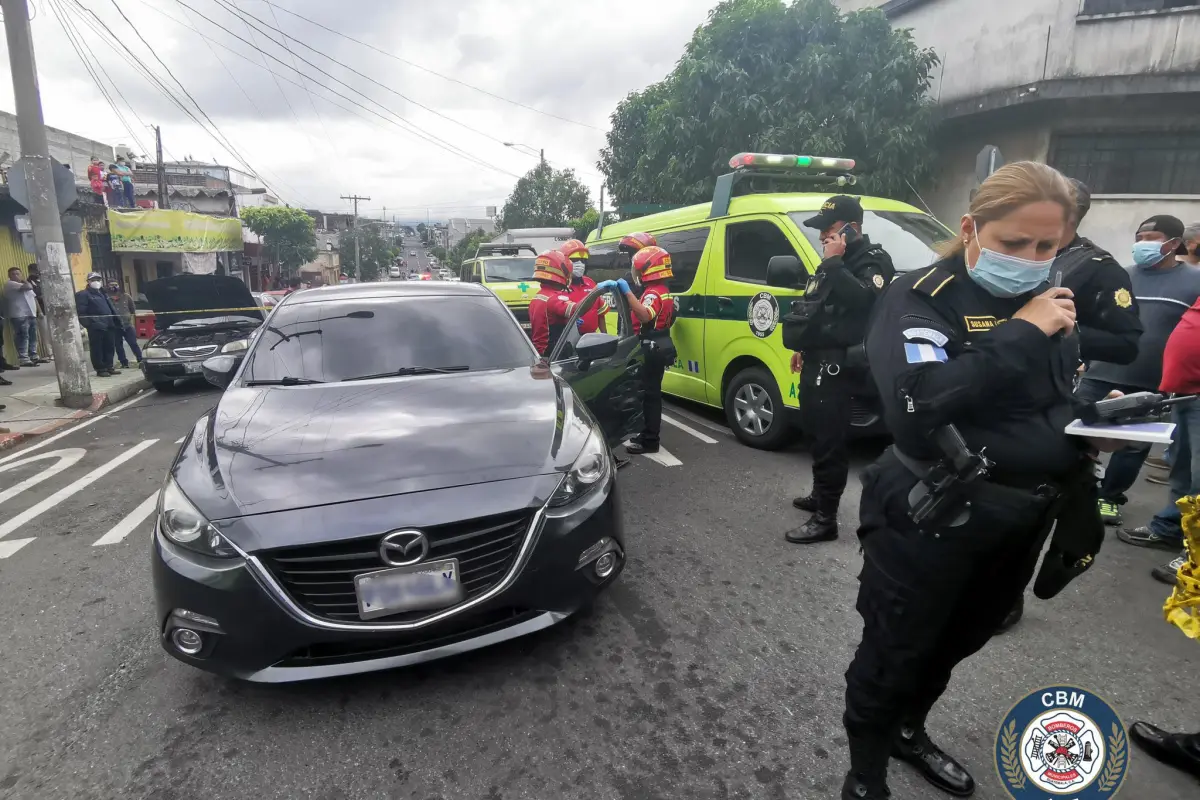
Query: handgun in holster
[939,499]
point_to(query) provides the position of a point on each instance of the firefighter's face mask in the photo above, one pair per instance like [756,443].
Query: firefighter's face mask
[578,268]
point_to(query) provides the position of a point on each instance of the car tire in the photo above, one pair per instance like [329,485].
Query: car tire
[751,392]
[163,386]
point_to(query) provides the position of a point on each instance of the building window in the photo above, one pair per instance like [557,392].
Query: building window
[1131,163]
[1091,7]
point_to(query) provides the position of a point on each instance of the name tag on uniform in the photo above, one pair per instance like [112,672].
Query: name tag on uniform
[981,323]
[923,353]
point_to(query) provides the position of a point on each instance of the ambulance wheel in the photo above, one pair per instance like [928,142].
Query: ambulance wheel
[754,409]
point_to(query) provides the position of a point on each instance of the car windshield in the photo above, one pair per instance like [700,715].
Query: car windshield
[907,236]
[343,339]
[514,268]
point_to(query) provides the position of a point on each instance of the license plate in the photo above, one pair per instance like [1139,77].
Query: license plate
[420,587]
[527,326]
[191,366]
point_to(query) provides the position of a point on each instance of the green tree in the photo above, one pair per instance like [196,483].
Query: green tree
[545,198]
[465,248]
[588,222]
[376,250]
[287,235]
[776,77]
[439,253]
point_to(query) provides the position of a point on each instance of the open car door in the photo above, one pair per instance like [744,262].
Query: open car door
[604,367]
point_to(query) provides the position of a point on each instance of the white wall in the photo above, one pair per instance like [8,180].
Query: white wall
[1114,219]
[74,151]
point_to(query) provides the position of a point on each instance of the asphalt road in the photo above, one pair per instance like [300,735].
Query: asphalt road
[713,669]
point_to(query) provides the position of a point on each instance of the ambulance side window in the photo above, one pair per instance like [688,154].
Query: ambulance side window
[749,246]
[686,248]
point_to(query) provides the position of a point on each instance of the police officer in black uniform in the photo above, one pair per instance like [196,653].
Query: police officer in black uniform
[979,346]
[826,329]
[1106,310]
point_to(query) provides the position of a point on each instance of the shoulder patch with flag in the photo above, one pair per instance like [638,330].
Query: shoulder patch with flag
[917,353]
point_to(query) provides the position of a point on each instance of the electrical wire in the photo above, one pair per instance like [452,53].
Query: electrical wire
[432,72]
[313,103]
[411,128]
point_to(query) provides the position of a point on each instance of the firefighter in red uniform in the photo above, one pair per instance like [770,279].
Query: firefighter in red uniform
[653,314]
[551,307]
[581,286]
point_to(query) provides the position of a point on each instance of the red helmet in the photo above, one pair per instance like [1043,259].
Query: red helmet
[636,241]
[553,267]
[575,250]
[652,264]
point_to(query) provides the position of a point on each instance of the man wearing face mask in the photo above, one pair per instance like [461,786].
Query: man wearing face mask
[103,324]
[827,328]
[1191,240]
[581,286]
[1163,288]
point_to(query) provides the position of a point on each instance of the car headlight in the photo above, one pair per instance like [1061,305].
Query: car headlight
[236,346]
[156,352]
[590,470]
[183,524]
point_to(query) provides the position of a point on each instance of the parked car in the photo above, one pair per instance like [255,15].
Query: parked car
[193,325]
[346,508]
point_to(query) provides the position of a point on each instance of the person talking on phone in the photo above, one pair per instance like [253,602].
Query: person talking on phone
[829,324]
[979,349]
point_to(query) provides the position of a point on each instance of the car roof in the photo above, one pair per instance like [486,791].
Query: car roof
[372,291]
[770,203]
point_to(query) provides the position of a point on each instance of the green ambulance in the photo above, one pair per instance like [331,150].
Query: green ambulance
[727,330]
[506,269]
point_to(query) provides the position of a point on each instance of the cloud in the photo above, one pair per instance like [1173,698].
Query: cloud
[572,59]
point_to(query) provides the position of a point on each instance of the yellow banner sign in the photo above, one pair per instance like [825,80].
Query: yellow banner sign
[159,230]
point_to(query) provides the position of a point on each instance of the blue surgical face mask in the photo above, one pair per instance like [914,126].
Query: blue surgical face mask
[1007,276]
[1147,255]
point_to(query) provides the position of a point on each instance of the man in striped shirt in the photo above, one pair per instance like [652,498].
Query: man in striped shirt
[1164,287]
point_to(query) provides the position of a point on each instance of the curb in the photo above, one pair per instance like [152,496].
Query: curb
[99,401]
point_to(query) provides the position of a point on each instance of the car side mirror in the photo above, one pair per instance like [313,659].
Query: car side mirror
[784,272]
[219,370]
[593,347]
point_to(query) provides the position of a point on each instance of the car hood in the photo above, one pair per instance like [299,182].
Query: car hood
[267,449]
[182,296]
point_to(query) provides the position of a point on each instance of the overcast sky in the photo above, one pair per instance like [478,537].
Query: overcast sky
[572,59]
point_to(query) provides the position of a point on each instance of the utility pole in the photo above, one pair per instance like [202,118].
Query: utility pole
[58,293]
[164,200]
[542,156]
[357,249]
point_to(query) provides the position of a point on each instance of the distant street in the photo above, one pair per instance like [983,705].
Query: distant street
[713,669]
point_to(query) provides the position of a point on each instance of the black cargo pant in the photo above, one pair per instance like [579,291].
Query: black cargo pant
[825,419]
[652,378]
[928,601]
[102,344]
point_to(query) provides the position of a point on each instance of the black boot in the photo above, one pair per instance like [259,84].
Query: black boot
[1014,616]
[1179,750]
[914,746]
[805,503]
[867,778]
[636,446]
[819,528]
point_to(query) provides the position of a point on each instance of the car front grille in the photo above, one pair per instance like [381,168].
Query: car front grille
[320,577]
[194,352]
[452,631]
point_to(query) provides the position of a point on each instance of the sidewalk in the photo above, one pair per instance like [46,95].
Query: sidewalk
[32,400]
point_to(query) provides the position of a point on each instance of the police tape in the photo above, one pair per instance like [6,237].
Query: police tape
[189,311]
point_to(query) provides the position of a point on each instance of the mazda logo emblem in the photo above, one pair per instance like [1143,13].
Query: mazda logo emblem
[404,548]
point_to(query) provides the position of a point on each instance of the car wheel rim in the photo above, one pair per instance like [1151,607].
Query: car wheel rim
[753,410]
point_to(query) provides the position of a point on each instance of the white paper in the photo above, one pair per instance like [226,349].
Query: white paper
[1153,432]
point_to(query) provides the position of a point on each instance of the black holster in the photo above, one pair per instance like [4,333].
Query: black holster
[659,349]
[1078,535]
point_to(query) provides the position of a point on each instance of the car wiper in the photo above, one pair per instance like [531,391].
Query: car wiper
[406,371]
[286,380]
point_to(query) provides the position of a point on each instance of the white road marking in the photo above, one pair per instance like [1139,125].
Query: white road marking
[180,440]
[663,456]
[24,451]
[8,548]
[70,491]
[686,429]
[127,526]
[66,458]
[695,420]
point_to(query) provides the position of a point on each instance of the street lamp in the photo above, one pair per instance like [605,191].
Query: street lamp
[518,145]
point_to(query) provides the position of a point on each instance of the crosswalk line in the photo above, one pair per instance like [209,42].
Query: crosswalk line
[664,457]
[12,546]
[66,458]
[38,445]
[70,491]
[702,437]
[127,526]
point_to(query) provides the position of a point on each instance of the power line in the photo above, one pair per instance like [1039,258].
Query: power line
[311,102]
[413,129]
[432,72]
[242,14]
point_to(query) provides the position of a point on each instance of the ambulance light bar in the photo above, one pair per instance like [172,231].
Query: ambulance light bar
[789,162]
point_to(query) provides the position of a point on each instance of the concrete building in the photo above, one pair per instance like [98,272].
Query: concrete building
[458,228]
[1108,91]
[74,151]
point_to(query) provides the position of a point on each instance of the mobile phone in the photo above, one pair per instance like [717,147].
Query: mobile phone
[851,235]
